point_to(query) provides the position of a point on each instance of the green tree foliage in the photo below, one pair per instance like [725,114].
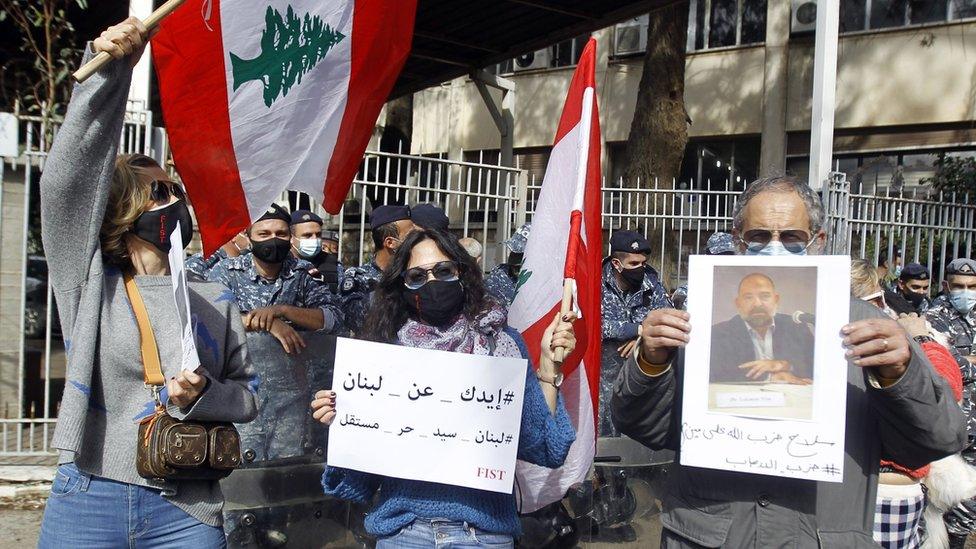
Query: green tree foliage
[290,47]
[954,174]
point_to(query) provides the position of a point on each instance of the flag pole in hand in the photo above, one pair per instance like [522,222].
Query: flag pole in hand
[150,22]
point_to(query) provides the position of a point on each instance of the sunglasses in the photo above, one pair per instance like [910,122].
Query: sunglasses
[445,271]
[161,191]
[794,240]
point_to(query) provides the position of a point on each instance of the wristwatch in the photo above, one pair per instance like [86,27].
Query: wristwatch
[922,339]
[556,380]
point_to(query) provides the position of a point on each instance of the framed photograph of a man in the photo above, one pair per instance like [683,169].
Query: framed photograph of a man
[762,339]
[768,392]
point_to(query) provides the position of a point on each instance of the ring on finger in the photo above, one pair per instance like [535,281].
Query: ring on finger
[884,344]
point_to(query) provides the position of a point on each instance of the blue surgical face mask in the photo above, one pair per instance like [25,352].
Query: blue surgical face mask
[309,247]
[897,272]
[963,300]
[775,247]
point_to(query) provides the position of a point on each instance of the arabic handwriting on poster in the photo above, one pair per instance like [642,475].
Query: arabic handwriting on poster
[798,453]
[447,417]
[181,296]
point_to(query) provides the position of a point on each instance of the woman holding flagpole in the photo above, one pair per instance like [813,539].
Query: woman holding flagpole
[432,296]
[107,223]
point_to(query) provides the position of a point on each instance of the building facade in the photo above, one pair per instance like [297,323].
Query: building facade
[906,92]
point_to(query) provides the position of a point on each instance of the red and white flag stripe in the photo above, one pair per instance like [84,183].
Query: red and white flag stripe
[567,221]
[280,95]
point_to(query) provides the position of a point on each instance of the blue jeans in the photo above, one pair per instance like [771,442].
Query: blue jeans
[87,511]
[443,534]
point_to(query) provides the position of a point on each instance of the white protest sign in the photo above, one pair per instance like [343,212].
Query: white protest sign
[427,415]
[765,376]
[9,142]
[180,294]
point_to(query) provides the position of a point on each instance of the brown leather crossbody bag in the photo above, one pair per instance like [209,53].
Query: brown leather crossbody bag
[170,449]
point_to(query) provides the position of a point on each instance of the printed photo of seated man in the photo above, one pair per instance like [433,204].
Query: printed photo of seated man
[762,342]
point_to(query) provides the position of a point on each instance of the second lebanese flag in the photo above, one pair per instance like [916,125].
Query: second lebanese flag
[566,243]
[263,97]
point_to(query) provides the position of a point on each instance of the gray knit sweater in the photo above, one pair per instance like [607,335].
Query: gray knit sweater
[104,395]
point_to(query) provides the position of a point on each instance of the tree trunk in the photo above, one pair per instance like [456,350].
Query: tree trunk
[658,135]
[659,130]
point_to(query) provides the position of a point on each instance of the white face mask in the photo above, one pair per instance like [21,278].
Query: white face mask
[775,247]
[963,300]
[309,247]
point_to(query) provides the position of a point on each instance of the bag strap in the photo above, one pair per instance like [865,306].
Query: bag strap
[152,370]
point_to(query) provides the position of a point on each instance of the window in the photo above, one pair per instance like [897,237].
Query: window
[879,173]
[858,15]
[723,23]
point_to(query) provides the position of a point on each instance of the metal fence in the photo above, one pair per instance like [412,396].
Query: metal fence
[677,221]
[484,201]
[923,227]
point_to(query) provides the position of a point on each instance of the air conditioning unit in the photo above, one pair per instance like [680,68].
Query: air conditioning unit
[803,18]
[533,60]
[631,36]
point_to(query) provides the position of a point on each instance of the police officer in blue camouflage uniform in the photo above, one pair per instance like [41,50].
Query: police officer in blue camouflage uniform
[273,290]
[276,294]
[390,225]
[198,267]
[502,281]
[954,315]
[321,250]
[631,289]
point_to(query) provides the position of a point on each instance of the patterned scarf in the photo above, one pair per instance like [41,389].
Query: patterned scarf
[462,336]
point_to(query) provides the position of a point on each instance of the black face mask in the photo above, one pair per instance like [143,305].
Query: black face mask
[437,302]
[634,277]
[272,250]
[157,226]
[913,298]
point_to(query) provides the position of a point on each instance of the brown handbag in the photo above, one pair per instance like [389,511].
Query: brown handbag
[170,449]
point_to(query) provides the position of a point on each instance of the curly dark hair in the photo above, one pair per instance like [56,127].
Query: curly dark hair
[389,311]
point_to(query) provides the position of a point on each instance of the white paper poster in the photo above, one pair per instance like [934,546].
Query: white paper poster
[427,415]
[180,294]
[765,378]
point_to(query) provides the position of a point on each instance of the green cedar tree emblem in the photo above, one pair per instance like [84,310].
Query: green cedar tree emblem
[290,47]
[523,277]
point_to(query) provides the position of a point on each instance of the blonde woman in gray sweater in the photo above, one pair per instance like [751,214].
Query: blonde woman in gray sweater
[105,217]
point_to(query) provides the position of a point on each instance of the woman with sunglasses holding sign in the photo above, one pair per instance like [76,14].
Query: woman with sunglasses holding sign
[106,225]
[433,296]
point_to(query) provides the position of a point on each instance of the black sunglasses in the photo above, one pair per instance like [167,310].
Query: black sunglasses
[794,240]
[445,271]
[161,191]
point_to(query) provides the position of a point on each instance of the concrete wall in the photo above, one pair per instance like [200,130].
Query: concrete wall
[909,76]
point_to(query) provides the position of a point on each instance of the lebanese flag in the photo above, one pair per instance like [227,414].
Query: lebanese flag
[565,245]
[259,98]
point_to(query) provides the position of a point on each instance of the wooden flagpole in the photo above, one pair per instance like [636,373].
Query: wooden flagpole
[92,66]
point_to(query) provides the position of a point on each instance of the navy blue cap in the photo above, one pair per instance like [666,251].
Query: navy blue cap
[388,214]
[305,216]
[630,242]
[276,212]
[914,271]
[429,216]
[330,235]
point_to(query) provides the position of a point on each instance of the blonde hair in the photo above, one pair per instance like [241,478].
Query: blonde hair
[864,278]
[127,198]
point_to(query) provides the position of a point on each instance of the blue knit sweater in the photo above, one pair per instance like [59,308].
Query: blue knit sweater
[544,440]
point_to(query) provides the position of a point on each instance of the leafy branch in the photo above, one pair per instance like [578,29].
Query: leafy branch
[46,33]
